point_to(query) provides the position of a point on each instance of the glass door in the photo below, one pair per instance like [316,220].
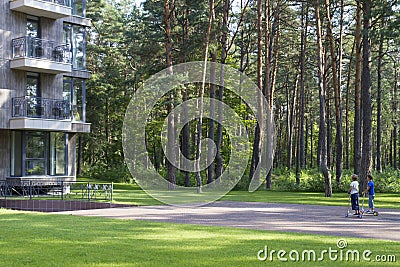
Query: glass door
[58,153]
[35,153]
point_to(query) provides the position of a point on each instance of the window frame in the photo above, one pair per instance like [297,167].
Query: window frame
[70,40]
[71,81]
[19,142]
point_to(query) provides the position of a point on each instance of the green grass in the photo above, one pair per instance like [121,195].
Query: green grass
[338,199]
[38,239]
[133,194]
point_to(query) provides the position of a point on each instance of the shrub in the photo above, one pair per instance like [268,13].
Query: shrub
[119,173]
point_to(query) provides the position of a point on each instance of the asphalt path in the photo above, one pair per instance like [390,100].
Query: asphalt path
[312,219]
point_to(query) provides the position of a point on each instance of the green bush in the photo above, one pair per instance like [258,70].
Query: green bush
[312,180]
[119,173]
[387,181]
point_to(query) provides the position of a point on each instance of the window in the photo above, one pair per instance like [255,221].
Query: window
[79,8]
[32,84]
[33,27]
[16,153]
[33,93]
[38,153]
[34,46]
[35,153]
[75,37]
[75,92]
[58,156]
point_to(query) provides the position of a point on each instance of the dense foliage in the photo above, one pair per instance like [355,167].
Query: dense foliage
[127,46]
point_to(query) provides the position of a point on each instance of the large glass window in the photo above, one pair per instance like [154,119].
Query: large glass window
[38,153]
[32,84]
[33,92]
[77,100]
[57,153]
[79,8]
[75,92]
[75,37]
[35,153]
[16,153]
[33,37]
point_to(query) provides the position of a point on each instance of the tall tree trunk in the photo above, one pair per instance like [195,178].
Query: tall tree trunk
[224,38]
[366,160]
[306,135]
[379,102]
[357,93]
[395,166]
[391,149]
[290,103]
[301,162]
[201,97]
[255,159]
[329,132]
[171,119]
[347,111]
[186,135]
[336,75]
[322,107]
[292,122]
[394,109]
[186,129]
[271,58]
[312,144]
[211,128]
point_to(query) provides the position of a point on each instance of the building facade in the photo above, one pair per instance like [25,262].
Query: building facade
[42,87]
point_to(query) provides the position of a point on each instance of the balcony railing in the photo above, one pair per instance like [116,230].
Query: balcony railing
[42,49]
[44,108]
[60,2]
[67,3]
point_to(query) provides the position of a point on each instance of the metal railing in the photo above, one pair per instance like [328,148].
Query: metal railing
[61,2]
[50,189]
[67,3]
[40,48]
[37,107]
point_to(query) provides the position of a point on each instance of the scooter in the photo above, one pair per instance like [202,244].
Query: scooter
[375,213]
[346,215]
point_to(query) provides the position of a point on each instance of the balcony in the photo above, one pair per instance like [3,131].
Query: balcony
[37,107]
[41,114]
[36,113]
[54,9]
[39,55]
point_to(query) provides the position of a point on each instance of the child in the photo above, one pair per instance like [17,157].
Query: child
[353,190]
[371,193]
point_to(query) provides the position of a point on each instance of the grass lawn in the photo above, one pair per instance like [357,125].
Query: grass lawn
[132,194]
[38,239]
[391,201]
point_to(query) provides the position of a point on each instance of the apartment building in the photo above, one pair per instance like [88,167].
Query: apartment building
[42,87]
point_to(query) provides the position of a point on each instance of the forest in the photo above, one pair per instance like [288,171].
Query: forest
[329,71]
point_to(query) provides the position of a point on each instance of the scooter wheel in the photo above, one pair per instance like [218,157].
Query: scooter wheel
[346,215]
[376,213]
[360,216]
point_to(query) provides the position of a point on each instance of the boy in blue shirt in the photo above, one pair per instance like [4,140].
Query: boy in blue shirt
[371,193]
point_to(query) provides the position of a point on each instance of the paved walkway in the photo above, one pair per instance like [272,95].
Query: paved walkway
[328,220]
